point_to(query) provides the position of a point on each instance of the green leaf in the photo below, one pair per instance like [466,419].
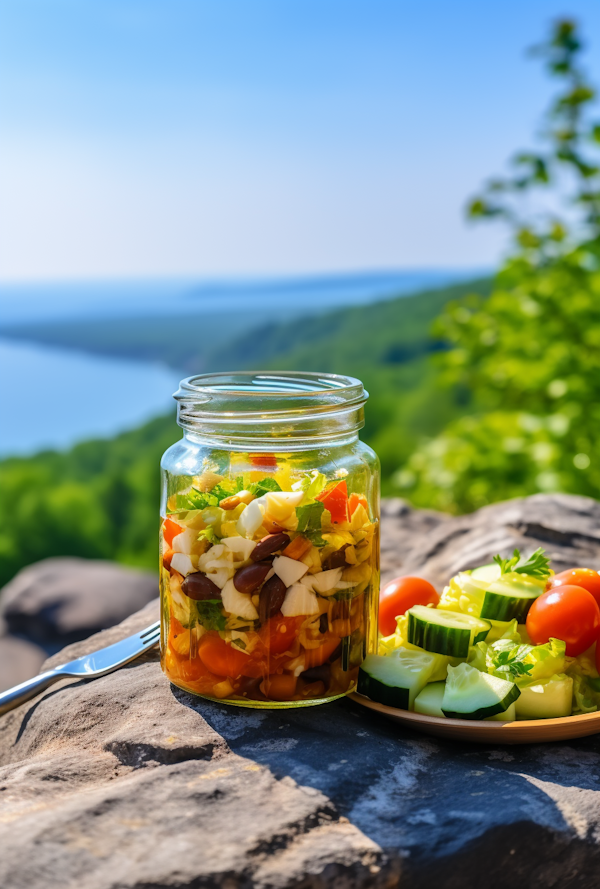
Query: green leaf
[315,538]
[210,614]
[259,489]
[309,517]
[195,499]
[312,485]
[537,565]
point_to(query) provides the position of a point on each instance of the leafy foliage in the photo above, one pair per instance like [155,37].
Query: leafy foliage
[537,565]
[530,353]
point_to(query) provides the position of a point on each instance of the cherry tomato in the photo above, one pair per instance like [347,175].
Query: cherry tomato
[583,577]
[220,658]
[335,500]
[399,595]
[566,612]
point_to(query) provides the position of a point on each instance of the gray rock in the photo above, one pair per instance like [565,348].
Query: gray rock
[126,781]
[437,546]
[19,659]
[63,600]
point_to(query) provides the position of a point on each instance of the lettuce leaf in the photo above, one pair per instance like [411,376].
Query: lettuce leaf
[311,485]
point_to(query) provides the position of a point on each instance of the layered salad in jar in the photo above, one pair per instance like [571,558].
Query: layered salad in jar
[268,583]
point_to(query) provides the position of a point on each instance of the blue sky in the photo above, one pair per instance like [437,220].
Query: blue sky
[235,137]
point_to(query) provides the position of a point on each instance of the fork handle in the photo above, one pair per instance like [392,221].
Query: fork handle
[26,690]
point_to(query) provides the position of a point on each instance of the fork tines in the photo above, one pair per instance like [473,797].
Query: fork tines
[151,633]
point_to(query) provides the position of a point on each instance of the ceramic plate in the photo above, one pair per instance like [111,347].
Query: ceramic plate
[526,731]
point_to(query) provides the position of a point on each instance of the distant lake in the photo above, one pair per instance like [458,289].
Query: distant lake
[52,398]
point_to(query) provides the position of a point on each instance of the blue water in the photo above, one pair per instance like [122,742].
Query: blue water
[51,398]
[275,298]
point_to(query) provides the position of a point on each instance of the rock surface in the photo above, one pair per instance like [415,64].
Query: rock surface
[58,601]
[128,782]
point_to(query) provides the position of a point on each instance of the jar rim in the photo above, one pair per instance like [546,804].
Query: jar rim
[268,393]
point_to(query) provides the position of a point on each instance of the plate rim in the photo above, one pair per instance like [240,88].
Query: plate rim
[481,725]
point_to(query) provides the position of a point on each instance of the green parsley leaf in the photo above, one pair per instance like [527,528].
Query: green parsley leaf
[210,614]
[263,487]
[507,658]
[309,517]
[195,499]
[537,565]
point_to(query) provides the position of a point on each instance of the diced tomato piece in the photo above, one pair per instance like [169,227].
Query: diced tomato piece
[170,530]
[280,686]
[279,632]
[220,658]
[357,500]
[314,657]
[262,459]
[335,500]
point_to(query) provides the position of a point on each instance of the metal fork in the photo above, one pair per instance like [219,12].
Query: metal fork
[90,666]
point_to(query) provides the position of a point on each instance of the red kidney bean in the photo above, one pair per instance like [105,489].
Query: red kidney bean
[271,598]
[269,545]
[198,586]
[336,559]
[248,579]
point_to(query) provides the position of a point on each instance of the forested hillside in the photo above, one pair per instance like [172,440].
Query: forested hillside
[100,499]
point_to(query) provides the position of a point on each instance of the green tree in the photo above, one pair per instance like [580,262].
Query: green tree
[530,353]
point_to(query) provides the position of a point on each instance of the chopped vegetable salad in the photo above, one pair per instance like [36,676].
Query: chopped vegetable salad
[267,582]
[510,640]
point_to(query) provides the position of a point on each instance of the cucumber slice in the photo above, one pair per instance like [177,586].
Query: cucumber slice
[487,573]
[509,715]
[470,694]
[395,680]
[509,598]
[429,701]
[447,632]
[546,698]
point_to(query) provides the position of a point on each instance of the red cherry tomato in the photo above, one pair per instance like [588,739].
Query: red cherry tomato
[566,612]
[584,577]
[399,595]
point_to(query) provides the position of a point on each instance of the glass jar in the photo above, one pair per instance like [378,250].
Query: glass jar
[269,543]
